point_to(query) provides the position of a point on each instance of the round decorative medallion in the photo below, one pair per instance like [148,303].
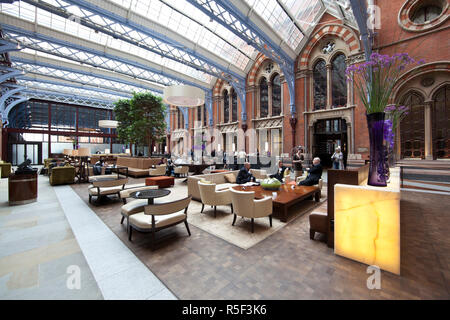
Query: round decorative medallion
[427,82]
[329,47]
[422,15]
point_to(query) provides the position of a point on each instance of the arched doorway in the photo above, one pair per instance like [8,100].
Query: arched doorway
[441,123]
[412,132]
[329,134]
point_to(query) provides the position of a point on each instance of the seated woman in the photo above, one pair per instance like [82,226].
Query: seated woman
[314,174]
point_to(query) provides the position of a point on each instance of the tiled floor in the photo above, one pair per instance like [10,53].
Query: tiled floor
[287,265]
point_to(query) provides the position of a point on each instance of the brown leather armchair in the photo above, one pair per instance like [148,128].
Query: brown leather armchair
[318,222]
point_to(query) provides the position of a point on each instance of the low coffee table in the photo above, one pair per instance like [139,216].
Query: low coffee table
[287,196]
[150,194]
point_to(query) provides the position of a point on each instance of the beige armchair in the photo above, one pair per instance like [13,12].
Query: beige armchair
[245,205]
[159,170]
[160,216]
[303,177]
[259,174]
[105,188]
[134,206]
[181,171]
[211,197]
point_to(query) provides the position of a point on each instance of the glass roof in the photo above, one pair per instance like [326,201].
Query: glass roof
[69,90]
[149,37]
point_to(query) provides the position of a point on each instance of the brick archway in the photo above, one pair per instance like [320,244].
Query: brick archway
[254,70]
[340,31]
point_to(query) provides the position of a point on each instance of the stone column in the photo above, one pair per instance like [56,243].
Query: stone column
[428,131]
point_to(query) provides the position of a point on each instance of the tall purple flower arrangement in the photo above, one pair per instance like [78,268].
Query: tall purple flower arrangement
[376,78]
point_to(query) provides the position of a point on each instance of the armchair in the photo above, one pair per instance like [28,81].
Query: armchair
[211,197]
[181,171]
[105,188]
[62,175]
[160,216]
[245,205]
[159,170]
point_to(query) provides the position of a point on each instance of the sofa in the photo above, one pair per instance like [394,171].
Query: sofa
[217,178]
[138,167]
[62,175]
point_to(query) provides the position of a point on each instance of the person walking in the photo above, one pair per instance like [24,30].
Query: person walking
[338,159]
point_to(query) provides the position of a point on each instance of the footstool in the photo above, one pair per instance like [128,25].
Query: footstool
[161,181]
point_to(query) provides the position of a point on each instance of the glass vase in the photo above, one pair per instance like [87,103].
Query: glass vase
[377,169]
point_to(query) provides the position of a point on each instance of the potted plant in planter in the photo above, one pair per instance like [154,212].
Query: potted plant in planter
[374,80]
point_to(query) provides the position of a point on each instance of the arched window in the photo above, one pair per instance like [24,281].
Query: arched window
[234,107]
[339,82]
[440,121]
[226,107]
[199,115]
[412,131]
[263,98]
[205,116]
[320,85]
[180,119]
[276,96]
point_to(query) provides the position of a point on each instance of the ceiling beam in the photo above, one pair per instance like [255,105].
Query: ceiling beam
[26,58]
[13,25]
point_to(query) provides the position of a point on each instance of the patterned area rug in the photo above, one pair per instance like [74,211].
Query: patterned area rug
[240,234]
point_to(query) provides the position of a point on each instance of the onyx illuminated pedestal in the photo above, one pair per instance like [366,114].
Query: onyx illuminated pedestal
[22,188]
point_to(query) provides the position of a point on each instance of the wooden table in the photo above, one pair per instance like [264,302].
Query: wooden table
[287,196]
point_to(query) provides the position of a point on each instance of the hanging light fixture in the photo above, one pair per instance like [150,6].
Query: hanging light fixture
[184,96]
[112,124]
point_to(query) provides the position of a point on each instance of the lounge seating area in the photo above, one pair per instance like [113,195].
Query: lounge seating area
[234,150]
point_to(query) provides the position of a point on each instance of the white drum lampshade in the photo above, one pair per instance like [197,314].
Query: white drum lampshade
[107,151]
[184,96]
[112,124]
[128,151]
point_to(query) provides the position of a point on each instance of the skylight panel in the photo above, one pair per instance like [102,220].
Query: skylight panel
[279,20]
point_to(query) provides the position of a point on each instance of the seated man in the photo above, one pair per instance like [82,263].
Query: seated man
[244,174]
[314,174]
[98,167]
[280,173]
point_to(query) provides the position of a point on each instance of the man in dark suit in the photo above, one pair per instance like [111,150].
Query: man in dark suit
[280,172]
[314,174]
[244,174]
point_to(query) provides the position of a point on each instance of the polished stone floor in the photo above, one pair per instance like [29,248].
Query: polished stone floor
[287,264]
[38,251]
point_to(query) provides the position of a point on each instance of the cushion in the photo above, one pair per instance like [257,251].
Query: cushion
[230,178]
[134,207]
[104,190]
[144,221]
[203,180]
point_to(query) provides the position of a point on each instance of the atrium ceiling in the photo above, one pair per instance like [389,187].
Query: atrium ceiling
[106,49]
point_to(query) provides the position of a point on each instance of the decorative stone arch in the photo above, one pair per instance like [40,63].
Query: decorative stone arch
[420,72]
[340,31]
[255,68]
[437,88]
